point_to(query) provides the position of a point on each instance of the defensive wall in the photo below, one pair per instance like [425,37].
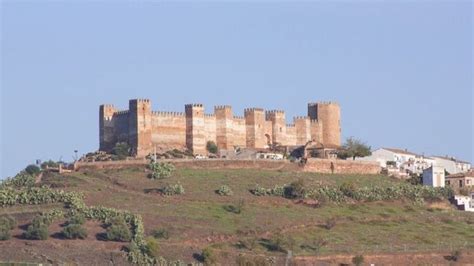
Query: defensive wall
[326,166]
[145,130]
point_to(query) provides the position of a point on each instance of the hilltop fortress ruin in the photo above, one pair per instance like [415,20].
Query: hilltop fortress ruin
[145,130]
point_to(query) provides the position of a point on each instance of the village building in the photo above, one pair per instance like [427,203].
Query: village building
[434,176]
[451,164]
[461,180]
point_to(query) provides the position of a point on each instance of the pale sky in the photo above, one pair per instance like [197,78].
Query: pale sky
[401,70]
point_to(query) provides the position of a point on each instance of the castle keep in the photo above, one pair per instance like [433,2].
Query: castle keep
[144,129]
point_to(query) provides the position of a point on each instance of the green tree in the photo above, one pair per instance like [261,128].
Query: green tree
[32,170]
[211,147]
[354,148]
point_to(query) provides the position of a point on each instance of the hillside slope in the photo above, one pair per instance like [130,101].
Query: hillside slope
[243,223]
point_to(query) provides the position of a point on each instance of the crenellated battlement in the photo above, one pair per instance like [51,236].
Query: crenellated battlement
[141,100]
[257,128]
[252,110]
[191,105]
[300,118]
[222,107]
[274,112]
[323,103]
[122,112]
[166,113]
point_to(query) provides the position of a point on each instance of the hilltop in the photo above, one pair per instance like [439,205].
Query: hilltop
[244,227]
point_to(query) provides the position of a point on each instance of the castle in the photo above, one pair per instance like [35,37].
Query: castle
[145,130]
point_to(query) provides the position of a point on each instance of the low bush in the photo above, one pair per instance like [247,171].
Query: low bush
[295,190]
[211,147]
[119,230]
[152,247]
[208,256]
[22,179]
[77,219]
[358,260]
[49,164]
[74,231]
[170,190]
[8,221]
[4,231]
[160,234]
[160,170]
[224,190]
[248,243]
[36,231]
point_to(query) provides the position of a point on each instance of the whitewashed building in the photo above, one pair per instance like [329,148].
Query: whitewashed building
[434,176]
[402,160]
[451,164]
[465,203]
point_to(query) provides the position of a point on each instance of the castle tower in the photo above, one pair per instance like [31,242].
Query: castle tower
[278,125]
[329,114]
[255,131]
[224,127]
[106,127]
[303,129]
[195,135]
[140,127]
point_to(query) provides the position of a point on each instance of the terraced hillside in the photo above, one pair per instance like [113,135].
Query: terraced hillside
[244,228]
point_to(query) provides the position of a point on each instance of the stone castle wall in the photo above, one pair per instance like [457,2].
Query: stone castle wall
[325,166]
[146,130]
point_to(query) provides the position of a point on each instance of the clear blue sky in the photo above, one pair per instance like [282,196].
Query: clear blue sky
[402,71]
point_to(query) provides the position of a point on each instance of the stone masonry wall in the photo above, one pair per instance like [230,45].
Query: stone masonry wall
[146,130]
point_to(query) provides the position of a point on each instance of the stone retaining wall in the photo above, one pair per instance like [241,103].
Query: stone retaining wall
[313,165]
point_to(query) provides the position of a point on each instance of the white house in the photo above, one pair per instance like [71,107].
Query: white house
[402,160]
[451,164]
[465,203]
[434,176]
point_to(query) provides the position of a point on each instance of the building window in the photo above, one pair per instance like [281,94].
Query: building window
[467,182]
[448,183]
[460,183]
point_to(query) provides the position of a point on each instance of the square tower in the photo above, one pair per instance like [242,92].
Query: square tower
[195,135]
[255,123]
[140,127]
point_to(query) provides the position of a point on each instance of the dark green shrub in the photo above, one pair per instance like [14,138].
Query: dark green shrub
[49,164]
[152,247]
[4,231]
[160,233]
[211,147]
[170,190]
[8,221]
[358,260]
[348,189]
[295,190]
[74,231]
[37,231]
[32,170]
[208,256]
[77,219]
[119,231]
[160,170]
[224,190]
[22,179]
